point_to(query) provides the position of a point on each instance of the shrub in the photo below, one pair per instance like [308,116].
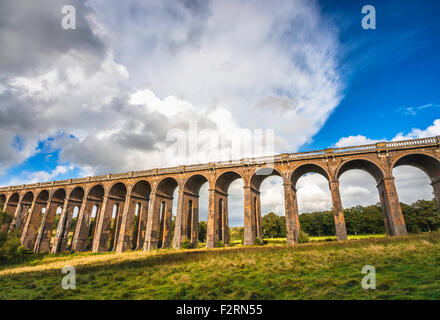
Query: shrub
[220,244]
[259,242]
[303,237]
[186,244]
[5,221]
[5,218]
[11,249]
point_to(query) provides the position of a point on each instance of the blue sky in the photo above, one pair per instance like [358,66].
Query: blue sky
[111,95]
[389,69]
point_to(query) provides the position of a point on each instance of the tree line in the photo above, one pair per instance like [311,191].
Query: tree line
[420,216]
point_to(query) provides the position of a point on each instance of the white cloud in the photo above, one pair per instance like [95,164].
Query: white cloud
[354,141]
[138,70]
[431,131]
[412,111]
[241,56]
[358,187]
[41,176]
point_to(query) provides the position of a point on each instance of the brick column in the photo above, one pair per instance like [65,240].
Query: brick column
[60,229]
[42,243]
[338,212]
[394,222]
[292,215]
[66,231]
[16,221]
[250,216]
[10,208]
[3,205]
[152,229]
[79,242]
[126,229]
[225,221]
[30,229]
[142,226]
[211,238]
[179,232]
[218,225]
[436,188]
[194,223]
[102,231]
[259,218]
[166,224]
[117,222]
[24,211]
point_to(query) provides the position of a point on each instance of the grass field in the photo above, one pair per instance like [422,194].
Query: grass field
[406,268]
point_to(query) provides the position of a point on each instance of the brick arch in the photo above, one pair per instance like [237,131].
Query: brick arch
[134,218]
[224,180]
[76,193]
[118,190]
[96,190]
[194,182]
[2,200]
[374,169]
[59,194]
[187,216]
[167,185]
[43,195]
[141,188]
[34,219]
[10,203]
[28,196]
[260,174]
[306,168]
[427,163]
[15,197]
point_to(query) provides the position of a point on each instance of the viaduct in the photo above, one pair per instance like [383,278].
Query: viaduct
[134,210]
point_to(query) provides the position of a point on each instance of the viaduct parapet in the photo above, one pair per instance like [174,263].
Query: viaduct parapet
[133,210]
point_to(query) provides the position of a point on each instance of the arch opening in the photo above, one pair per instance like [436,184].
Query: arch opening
[307,169]
[266,199]
[24,210]
[269,206]
[417,180]
[166,193]
[191,227]
[11,206]
[229,212]
[116,203]
[362,202]
[86,224]
[138,215]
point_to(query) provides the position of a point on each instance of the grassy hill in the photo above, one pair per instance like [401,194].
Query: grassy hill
[407,268]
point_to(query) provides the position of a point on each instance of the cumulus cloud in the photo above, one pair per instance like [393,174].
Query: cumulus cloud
[238,55]
[431,131]
[354,141]
[109,93]
[42,176]
[358,187]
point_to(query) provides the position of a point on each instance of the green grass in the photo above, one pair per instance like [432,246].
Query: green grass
[406,267]
[283,241]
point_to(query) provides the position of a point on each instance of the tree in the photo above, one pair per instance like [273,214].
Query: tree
[421,216]
[236,233]
[202,231]
[274,226]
